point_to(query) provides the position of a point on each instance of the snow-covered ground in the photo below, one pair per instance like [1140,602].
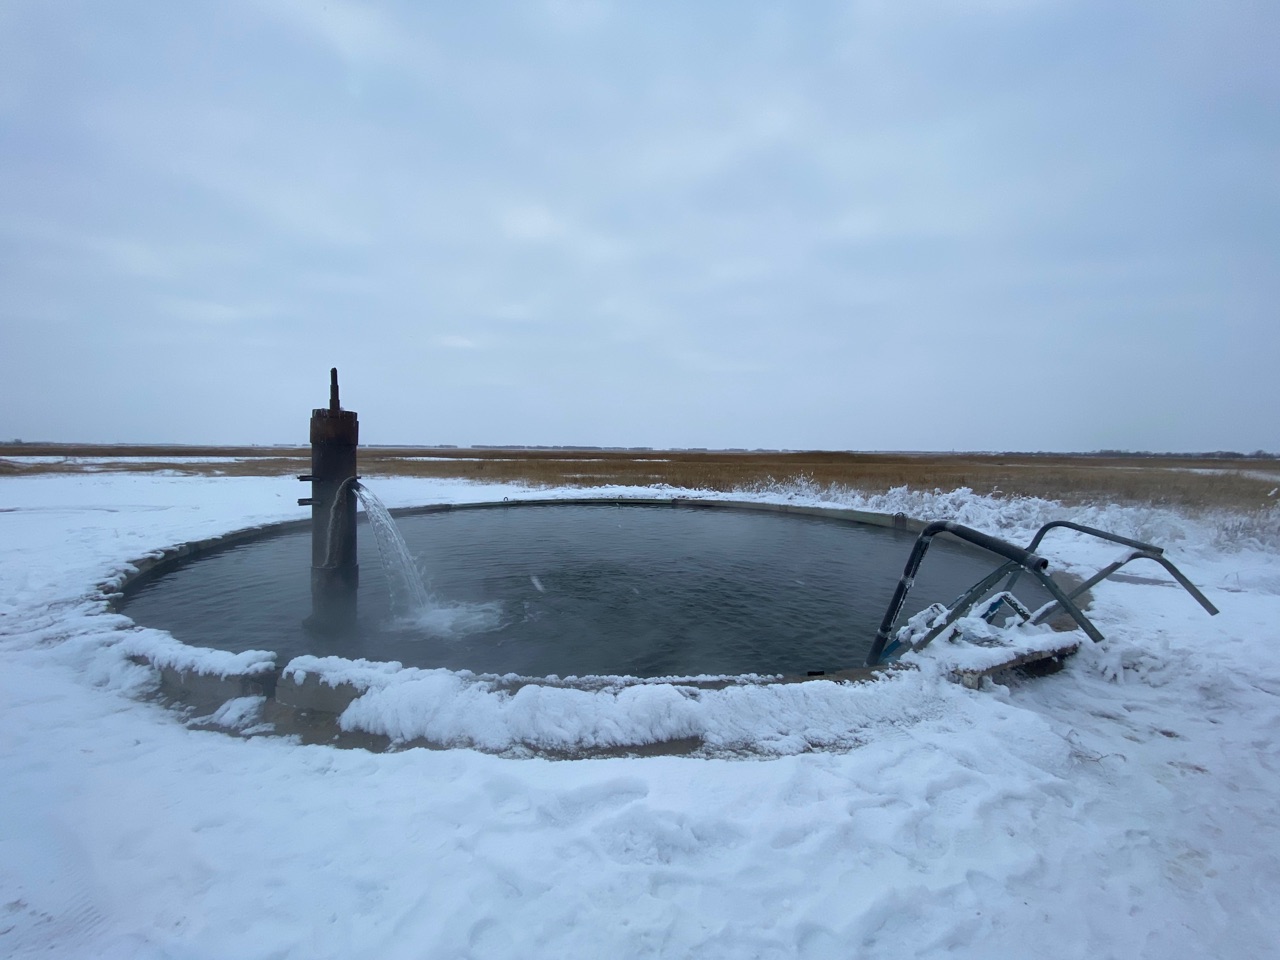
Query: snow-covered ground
[1125,807]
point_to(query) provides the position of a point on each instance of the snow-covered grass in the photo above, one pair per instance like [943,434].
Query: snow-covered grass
[1124,807]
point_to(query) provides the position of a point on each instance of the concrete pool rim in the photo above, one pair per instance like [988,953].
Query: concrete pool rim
[299,690]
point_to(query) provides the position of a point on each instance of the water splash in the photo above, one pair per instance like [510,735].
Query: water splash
[452,620]
[412,605]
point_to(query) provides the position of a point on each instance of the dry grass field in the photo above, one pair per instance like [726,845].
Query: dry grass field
[1244,484]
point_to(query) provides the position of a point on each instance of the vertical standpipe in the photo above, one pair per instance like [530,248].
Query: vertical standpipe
[335,575]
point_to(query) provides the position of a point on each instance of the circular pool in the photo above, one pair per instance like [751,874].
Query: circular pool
[580,589]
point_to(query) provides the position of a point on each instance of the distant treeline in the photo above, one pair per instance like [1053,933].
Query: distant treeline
[1098,454]
[1206,455]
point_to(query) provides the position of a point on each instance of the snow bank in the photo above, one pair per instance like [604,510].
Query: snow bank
[1123,807]
[780,718]
[509,714]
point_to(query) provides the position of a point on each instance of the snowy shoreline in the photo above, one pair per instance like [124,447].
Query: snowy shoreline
[1123,807]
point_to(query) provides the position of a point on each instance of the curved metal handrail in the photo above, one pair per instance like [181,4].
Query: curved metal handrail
[1091,531]
[1111,568]
[1017,561]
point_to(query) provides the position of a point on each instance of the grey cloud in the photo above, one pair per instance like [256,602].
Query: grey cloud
[711,225]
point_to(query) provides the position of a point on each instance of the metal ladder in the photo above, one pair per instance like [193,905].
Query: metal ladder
[1017,561]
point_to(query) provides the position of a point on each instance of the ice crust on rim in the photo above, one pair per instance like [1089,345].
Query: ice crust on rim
[461,709]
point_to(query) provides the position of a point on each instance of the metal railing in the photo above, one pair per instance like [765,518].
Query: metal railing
[1017,561]
[1092,531]
[1141,551]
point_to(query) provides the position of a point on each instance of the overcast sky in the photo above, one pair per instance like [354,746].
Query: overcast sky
[931,225]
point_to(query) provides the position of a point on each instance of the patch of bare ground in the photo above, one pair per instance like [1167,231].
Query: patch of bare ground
[1237,484]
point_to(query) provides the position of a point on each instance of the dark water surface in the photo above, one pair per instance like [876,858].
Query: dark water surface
[579,590]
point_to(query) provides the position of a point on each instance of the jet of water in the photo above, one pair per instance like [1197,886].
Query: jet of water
[408,593]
